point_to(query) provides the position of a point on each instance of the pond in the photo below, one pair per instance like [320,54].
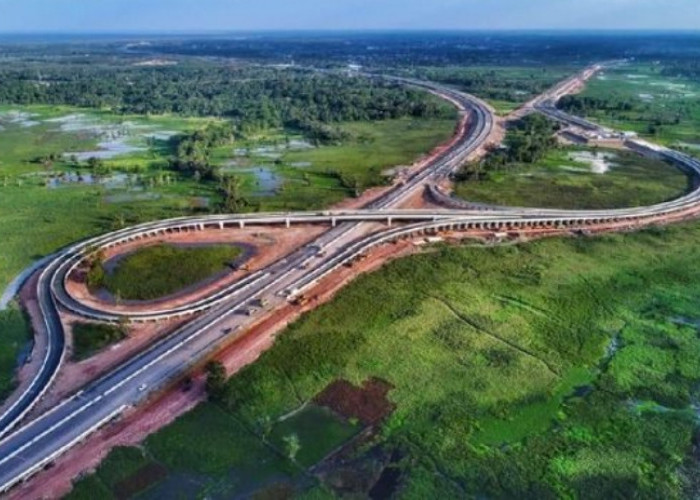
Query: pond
[118,180]
[265,180]
[107,150]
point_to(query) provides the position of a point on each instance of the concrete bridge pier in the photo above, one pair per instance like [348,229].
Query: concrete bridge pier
[241,224]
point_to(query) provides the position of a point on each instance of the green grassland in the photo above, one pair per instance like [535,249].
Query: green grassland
[377,147]
[669,104]
[89,338]
[157,271]
[560,181]
[14,328]
[558,368]
[312,178]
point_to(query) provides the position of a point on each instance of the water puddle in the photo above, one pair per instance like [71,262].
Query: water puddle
[130,197]
[115,139]
[266,181]
[683,321]
[107,150]
[274,151]
[599,162]
[19,118]
[161,135]
[118,180]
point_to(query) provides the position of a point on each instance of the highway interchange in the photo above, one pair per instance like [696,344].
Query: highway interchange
[28,448]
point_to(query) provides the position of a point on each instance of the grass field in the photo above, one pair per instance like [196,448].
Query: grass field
[157,271]
[670,104]
[15,333]
[89,338]
[277,177]
[558,368]
[565,180]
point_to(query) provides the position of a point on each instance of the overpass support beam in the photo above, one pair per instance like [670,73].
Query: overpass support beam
[334,222]
[221,225]
[241,224]
[287,222]
[388,221]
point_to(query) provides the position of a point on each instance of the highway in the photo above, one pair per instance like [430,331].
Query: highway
[29,448]
[37,443]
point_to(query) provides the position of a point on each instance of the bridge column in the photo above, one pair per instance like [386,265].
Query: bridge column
[221,225]
[287,222]
[334,221]
[388,221]
[241,224]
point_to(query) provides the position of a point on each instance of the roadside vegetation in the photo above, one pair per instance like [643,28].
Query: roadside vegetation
[16,337]
[532,170]
[157,271]
[90,338]
[560,368]
[505,88]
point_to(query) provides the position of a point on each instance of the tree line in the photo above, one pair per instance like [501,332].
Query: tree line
[254,98]
[528,141]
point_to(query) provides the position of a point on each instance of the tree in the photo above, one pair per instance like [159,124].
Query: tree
[230,188]
[47,162]
[119,221]
[94,163]
[96,273]
[265,424]
[124,323]
[216,380]
[292,446]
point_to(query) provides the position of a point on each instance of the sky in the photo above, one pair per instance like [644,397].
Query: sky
[115,16]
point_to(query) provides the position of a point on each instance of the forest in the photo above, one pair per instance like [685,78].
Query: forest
[254,98]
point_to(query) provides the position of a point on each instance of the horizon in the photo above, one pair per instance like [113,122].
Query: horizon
[358,31]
